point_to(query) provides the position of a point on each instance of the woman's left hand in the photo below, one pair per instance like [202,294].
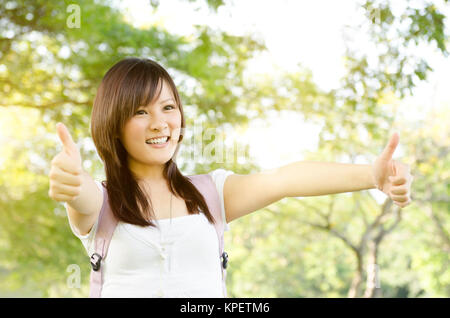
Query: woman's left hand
[392,177]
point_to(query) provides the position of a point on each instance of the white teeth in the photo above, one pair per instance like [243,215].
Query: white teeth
[157,141]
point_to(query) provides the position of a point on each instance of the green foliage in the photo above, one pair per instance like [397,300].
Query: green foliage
[289,249]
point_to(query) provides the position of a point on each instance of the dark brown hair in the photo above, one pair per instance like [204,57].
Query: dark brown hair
[130,83]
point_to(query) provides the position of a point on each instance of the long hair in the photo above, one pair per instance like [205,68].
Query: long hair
[128,84]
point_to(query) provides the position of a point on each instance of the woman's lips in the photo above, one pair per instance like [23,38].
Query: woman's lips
[159,145]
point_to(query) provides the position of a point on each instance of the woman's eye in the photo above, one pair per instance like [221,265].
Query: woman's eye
[142,112]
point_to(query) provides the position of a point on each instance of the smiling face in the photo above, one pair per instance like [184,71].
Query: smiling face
[162,117]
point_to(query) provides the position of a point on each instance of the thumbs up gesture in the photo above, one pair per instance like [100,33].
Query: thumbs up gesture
[392,177]
[65,172]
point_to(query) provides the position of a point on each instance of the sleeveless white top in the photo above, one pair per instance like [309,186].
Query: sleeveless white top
[178,260]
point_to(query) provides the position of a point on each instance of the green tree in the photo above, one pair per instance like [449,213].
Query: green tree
[360,113]
[50,73]
[311,247]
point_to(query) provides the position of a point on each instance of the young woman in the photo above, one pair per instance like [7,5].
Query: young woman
[164,244]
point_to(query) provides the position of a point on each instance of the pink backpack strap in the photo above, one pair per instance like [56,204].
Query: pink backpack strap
[107,224]
[205,184]
[105,229]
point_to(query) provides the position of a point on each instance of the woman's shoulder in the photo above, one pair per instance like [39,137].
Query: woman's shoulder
[215,174]
[219,175]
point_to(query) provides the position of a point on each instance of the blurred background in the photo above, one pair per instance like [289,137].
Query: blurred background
[286,81]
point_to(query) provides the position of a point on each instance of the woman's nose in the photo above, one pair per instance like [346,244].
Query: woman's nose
[158,124]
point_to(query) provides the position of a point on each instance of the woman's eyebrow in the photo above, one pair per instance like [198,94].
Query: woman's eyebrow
[166,100]
[161,102]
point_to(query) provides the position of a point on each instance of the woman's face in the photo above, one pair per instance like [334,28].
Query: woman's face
[159,118]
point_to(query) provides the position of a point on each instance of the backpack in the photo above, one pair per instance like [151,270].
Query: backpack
[107,224]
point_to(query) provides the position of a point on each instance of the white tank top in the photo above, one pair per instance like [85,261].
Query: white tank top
[181,260]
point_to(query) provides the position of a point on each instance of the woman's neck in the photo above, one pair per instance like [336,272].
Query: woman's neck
[147,174]
[154,186]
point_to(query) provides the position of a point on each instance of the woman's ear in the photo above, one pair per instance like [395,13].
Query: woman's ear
[117,139]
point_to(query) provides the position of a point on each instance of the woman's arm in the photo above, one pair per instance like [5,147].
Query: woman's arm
[83,211]
[244,194]
[309,178]
[70,183]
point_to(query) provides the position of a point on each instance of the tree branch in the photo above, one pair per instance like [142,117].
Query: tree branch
[328,228]
[49,105]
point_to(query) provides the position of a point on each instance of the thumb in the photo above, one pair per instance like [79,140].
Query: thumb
[390,148]
[66,139]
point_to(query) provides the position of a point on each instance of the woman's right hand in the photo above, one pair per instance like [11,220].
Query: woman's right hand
[66,171]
